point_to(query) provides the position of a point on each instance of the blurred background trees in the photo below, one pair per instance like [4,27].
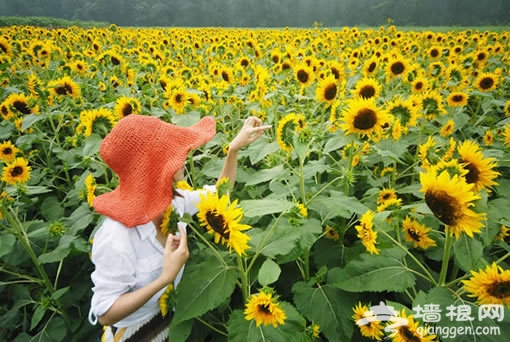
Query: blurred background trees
[268,13]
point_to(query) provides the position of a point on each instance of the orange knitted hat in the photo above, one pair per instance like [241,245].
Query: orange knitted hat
[146,152]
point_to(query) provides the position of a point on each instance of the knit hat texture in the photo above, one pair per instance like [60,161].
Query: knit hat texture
[146,152]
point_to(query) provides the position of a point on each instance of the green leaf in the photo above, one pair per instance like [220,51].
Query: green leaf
[37,316]
[31,119]
[51,209]
[7,242]
[60,292]
[269,272]
[80,219]
[468,253]
[375,273]
[203,287]
[328,306]
[337,204]
[92,144]
[278,241]
[266,175]
[260,149]
[180,332]
[254,208]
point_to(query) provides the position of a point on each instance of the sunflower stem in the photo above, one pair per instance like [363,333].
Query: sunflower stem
[446,257]
[204,240]
[244,279]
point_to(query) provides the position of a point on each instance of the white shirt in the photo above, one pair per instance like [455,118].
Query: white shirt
[127,259]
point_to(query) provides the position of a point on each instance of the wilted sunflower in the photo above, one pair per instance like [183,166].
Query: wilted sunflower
[366,320]
[486,81]
[457,99]
[125,106]
[409,332]
[264,309]
[16,172]
[223,220]
[489,286]
[65,86]
[450,200]
[8,151]
[367,88]
[362,116]
[366,233]
[327,90]
[417,233]
[480,169]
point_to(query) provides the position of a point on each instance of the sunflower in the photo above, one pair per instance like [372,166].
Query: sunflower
[506,135]
[5,47]
[327,90]
[390,205]
[264,309]
[65,86]
[304,74]
[432,104]
[403,111]
[507,108]
[480,169]
[367,88]
[19,103]
[503,233]
[287,125]
[370,66]
[409,332]
[417,233]
[397,67]
[457,99]
[488,138]
[167,300]
[366,233]
[331,233]
[489,286]
[8,151]
[362,116]
[90,120]
[90,186]
[222,219]
[125,106]
[420,84]
[486,81]
[177,99]
[386,194]
[450,199]
[448,128]
[16,172]
[170,219]
[366,320]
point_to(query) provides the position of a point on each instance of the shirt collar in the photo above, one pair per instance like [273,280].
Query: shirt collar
[146,230]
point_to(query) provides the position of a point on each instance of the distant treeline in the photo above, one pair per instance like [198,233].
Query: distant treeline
[268,13]
[48,22]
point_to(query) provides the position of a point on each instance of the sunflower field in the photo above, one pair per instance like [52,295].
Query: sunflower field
[382,179]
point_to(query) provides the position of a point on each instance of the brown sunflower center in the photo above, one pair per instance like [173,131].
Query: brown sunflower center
[7,151]
[409,335]
[397,68]
[486,83]
[302,76]
[330,92]
[418,86]
[21,106]
[414,235]
[264,308]
[127,109]
[457,98]
[500,290]
[225,76]
[365,119]
[371,67]
[473,174]
[445,207]
[115,60]
[16,171]
[217,223]
[367,91]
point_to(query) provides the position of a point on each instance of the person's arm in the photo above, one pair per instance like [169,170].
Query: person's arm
[175,255]
[251,131]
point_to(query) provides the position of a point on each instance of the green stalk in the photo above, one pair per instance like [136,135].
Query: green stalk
[446,257]
[257,253]
[213,249]
[22,237]
[244,279]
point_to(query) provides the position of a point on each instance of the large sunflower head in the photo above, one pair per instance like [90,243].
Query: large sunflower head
[304,74]
[265,309]
[8,151]
[450,199]
[327,90]
[398,67]
[367,88]
[362,116]
[65,86]
[486,81]
[222,219]
[409,332]
[125,106]
[480,170]
[16,172]
[457,99]
[489,286]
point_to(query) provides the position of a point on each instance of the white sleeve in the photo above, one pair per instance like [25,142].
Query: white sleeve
[115,261]
[188,201]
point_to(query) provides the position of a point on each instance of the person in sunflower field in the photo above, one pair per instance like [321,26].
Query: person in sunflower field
[134,260]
